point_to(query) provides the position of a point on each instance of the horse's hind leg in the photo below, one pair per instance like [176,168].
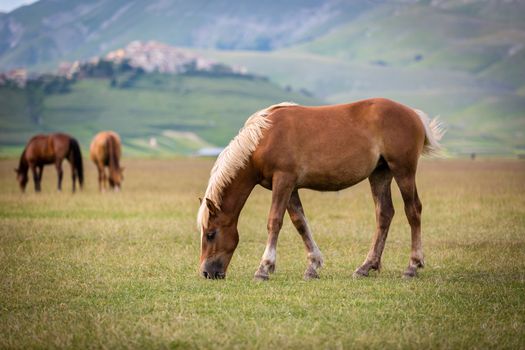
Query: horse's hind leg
[73,171]
[282,187]
[60,173]
[37,176]
[101,177]
[413,208]
[315,258]
[380,181]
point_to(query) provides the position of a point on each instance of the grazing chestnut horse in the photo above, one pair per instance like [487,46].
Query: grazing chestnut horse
[105,151]
[286,147]
[49,149]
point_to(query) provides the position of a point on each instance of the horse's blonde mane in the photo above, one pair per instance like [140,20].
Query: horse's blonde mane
[234,157]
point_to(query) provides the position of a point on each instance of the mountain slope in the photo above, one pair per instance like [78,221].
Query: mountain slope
[462,61]
[48,31]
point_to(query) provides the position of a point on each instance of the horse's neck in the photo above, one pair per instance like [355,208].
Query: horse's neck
[237,192]
[113,162]
[112,153]
[23,165]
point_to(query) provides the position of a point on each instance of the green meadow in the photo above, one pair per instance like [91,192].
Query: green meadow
[184,113]
[119,270]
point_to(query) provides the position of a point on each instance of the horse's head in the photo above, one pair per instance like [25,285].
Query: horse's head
[22,178]
[219,238]
[115,178]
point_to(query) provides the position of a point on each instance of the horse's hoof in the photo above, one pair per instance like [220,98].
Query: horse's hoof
[410,273]
[259,277]
[271,268]
[310,275]
[359,274]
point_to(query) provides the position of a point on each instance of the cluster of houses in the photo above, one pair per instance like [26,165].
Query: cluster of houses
[153,56]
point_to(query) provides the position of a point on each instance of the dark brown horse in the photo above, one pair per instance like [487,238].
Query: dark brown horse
[50,149]
[105,151]
[287,147]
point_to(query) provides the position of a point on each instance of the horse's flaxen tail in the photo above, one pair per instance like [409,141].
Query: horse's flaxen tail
[77,160]
[434,131]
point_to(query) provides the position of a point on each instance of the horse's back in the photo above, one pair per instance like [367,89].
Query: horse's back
[99,151]
[45,149]
[333,147]
[61,144]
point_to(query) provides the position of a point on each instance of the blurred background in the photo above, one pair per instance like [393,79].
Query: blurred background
[179,77]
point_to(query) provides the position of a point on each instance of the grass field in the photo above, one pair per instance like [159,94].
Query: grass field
[120,270]
[183,112]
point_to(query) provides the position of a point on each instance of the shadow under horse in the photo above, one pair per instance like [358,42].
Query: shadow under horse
[50,149]
[105,151]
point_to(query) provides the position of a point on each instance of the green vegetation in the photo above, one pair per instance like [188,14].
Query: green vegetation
[463,61]
[42,35]
[482,118]
[182,112]
[112,270]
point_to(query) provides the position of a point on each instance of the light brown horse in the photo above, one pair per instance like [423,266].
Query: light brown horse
[287,147]
[49,149]
[105,150]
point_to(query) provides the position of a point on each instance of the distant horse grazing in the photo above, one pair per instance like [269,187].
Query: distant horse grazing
[105,151]
[286,147]
[49,149]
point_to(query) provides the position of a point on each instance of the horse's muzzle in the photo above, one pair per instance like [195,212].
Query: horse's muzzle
[213,275]
[213,269]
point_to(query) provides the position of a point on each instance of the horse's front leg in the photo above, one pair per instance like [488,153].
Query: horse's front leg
[315,258]
[101,177]
[282,187]
[40,172]
[36,177]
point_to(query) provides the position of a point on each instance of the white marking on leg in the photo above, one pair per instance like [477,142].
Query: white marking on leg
[269,254]
[315,257]
[267,264]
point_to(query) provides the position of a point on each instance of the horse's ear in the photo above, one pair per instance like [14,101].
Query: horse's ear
[212,207]
[200,200]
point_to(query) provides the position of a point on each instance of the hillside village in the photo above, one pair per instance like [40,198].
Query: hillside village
[146,57]
[153,56]
[160,98]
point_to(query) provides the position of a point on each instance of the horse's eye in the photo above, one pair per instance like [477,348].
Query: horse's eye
[210,235]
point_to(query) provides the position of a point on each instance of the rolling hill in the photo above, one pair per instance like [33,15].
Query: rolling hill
[158,114]
[462,60]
